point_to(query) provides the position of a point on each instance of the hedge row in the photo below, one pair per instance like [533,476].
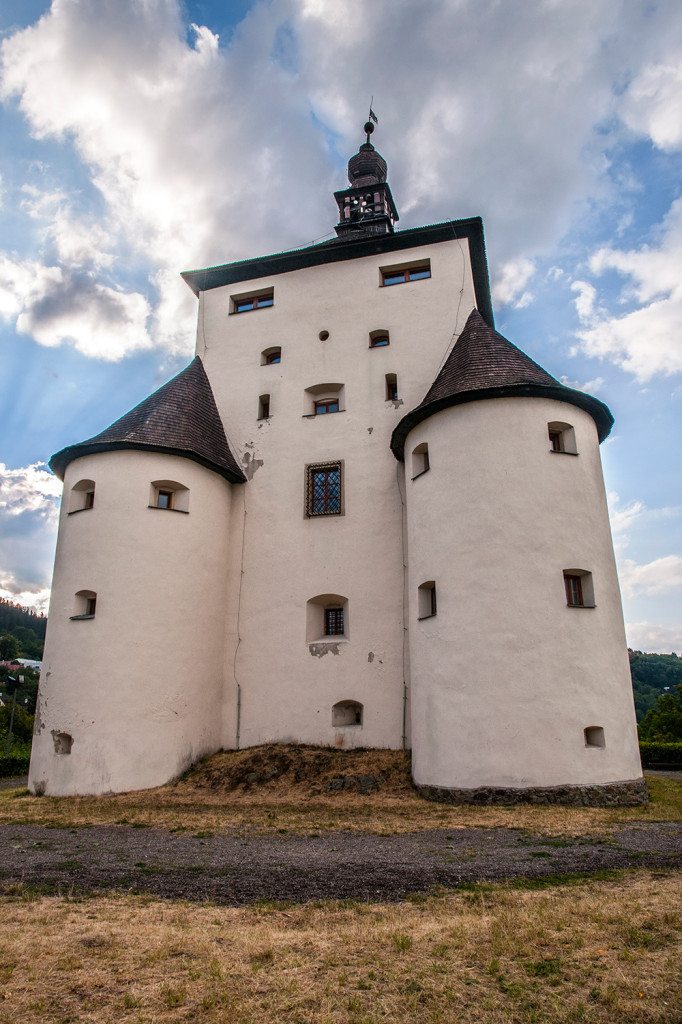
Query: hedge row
[661,755]
[14,764]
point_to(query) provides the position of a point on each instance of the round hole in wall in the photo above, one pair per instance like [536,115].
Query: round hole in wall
[323,335]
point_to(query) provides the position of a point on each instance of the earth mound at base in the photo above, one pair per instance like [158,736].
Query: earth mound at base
[297,770]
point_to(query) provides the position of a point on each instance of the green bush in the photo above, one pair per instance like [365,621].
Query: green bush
[17,764]
[661,755]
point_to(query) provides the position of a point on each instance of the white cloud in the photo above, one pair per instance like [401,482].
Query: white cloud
[591,387]
[652,105]
[55,305]
[29,489]
[657,577]
[623,517]
[653,638]
[203,153]
[584,300]
[12,591]
[510,286]
[647,340]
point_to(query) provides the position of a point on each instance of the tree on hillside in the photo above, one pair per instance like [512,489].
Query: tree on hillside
[651,675]
[9,647]
[663,722]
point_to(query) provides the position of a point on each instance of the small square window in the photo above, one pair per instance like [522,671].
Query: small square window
[324,489]
[579,588]
[333,622]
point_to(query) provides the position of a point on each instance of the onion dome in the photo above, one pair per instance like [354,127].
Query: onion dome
[181,418]
[367,167]
[483,364]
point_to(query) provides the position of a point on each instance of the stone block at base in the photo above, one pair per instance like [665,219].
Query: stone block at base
[612,794]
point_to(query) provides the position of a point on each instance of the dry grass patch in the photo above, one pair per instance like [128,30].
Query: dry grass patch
[290,794]
[596,952]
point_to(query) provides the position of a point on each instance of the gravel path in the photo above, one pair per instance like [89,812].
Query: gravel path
[241,869]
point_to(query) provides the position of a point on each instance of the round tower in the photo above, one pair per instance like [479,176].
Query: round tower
[131,688]
[520,683]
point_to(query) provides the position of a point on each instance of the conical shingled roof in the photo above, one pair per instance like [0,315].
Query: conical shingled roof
[181,418]
[483,364]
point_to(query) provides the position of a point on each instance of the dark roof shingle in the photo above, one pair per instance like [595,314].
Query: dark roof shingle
[483,364]
[181,418]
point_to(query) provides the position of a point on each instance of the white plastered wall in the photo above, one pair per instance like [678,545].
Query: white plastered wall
[139,686]
[505,677]
[288,688]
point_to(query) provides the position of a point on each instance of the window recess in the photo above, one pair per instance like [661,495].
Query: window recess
[264,407]
[427,600]
[324,489]
[347,712]
[86,605]
[405,273]
[579,588]
[326,618]
[321,399]
[420,460]
[379,339]
[270,356]
[562,438]
[169,495]
[82,496]
[391,387]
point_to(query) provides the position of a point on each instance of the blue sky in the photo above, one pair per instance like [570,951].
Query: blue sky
[143,137]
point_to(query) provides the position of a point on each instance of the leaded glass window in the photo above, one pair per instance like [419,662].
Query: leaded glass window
[323,489]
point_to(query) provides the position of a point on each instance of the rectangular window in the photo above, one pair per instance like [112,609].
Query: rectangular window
[574,591]
[328,405]
[333,622]
[323,489]
[401,275]
[556,440]
[245,303]
[90,605]
[164,499]
[89,501]
[263,407]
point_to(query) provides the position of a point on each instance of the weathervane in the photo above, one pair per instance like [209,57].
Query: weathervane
[369,127]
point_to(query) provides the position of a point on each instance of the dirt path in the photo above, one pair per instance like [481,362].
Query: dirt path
[240,869]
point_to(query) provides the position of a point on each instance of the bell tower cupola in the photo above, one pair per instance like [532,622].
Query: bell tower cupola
[367,207]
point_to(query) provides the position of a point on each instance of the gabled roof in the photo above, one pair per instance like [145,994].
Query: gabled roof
[483,364]
[338,250]
[181,418]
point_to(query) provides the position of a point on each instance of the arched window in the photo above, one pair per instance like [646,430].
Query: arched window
[169,495]
[327,618]
[594,736]
[269,356]
[86,605]
[82,496]
[420,460]
[562,438]
[427,600]
[379,338]
[347,712]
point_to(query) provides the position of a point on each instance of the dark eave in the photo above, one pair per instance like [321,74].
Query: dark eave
[339,249]
[181,418]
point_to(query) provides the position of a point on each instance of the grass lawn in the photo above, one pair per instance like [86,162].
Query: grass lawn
[592,951]
[201,801]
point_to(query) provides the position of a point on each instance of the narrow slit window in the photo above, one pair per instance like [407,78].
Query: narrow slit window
[264,407]
[164,499]
[323,489]
[391,387]
[333,621]
[427,600]
[420,460]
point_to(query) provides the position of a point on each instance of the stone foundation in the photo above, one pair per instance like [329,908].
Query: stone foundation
[612,794]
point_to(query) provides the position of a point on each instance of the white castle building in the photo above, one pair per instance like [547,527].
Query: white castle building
[360,517]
